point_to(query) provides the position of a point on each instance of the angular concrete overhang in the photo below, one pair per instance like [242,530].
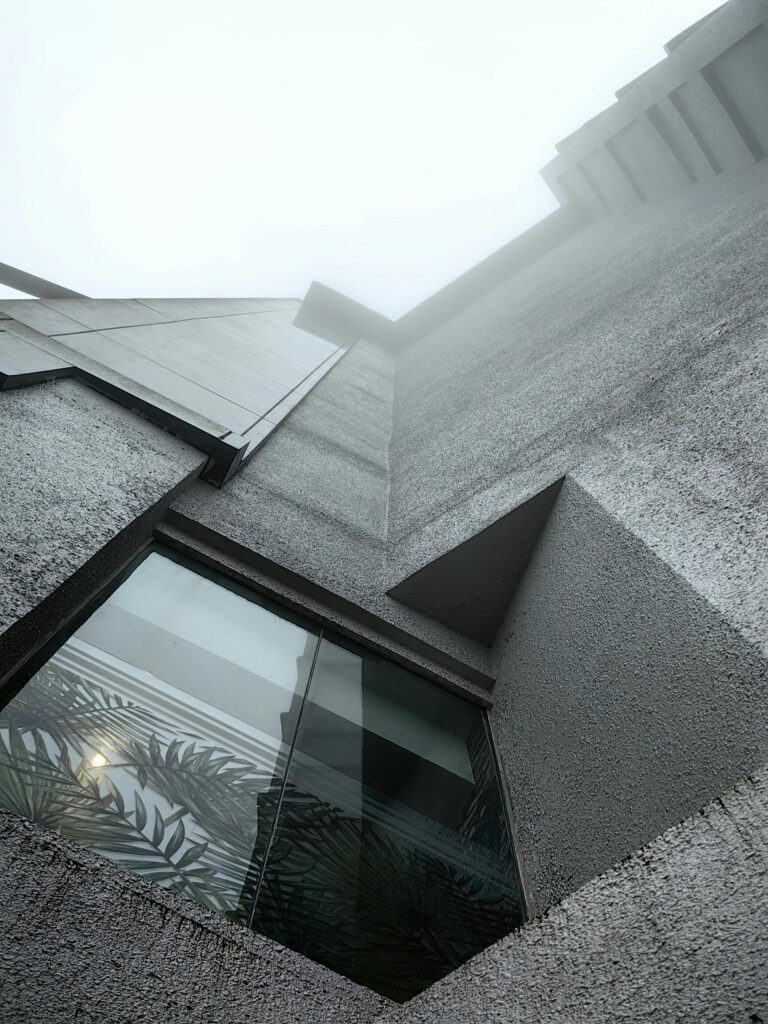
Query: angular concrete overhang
[470,587]
[700,111]
[221,374]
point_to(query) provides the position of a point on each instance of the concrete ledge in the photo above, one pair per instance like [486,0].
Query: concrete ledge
[470,587]
[22,364]
[91,942]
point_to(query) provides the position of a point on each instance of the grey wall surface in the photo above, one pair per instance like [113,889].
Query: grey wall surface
[674,933]
[314,501]
[532,380]
[631,684]
[77,470]
[634,361]
[85,941]
[624,700]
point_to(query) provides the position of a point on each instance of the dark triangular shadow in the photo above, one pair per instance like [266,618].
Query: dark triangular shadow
[470,587]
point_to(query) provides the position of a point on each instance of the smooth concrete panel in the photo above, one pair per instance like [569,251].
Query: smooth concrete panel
[650,162]
[608,179]
[668,121]
[708,122]
[191,309]
[207,353]
[39,316]
[19,359]
[85,941]
[215,374]
[165,383]
[624,701]
[674,933]
[117,385]
[100,314]
[274,333]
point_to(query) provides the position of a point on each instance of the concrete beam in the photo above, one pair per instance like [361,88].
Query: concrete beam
[38,287]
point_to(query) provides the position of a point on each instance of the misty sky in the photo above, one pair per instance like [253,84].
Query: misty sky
[239,147]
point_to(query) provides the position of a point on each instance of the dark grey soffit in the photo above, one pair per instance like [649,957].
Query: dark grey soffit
[469,588]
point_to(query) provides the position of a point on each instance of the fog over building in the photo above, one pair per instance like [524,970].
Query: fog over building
[411,671]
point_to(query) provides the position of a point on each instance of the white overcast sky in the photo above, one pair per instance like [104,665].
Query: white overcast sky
[245,147]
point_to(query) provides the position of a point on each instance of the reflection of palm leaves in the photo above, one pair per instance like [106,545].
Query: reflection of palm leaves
[346,892]
[68,799]
[204,786]
[34,785]
[217,790]
[74,710]
[389,916]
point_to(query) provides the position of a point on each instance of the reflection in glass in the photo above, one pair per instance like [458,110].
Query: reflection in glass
[391,861]
[310,788]
[155,734]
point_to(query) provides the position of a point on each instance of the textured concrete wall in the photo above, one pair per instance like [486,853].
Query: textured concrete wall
[632,359]
[315,498]
[85,941]
[541,374]
[635,360]
[675,933]
[624,700]
[77,470]
[739,78]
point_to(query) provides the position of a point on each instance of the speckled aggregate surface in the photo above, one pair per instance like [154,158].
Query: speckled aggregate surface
[77,469]
[84,941]
[630,670]
[632,360]
[624,700]
[526,384]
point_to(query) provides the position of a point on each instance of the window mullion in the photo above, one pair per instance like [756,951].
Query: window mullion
[281,795]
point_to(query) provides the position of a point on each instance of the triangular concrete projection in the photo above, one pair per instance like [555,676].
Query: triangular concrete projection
[470,587]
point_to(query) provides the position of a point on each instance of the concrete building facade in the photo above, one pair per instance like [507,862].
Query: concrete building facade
[542,491]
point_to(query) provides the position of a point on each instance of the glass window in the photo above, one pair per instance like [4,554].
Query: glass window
[296,783]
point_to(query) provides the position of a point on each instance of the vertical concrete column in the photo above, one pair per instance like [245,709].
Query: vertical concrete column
[668,121]
[710,125]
